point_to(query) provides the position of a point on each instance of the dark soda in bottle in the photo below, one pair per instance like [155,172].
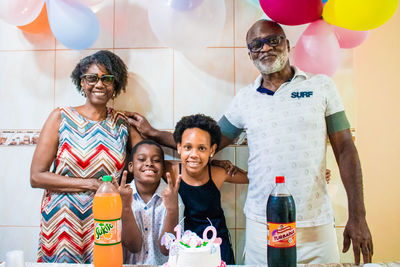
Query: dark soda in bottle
[281,223]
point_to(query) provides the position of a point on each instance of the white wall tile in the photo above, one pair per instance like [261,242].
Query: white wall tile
[242,155]
[132,27]
[245,72]
[203,82]
[228,153]
[12,38]
[19,202]
[232,232]
[150,84]
[228,204]
[228,200]
[241,194]
[240,242]
[66,93]
[26,88]
[19,238]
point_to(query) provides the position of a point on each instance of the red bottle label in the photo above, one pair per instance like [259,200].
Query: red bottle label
[107,233]
[281,235]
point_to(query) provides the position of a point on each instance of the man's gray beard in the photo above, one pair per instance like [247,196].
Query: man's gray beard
[276,66]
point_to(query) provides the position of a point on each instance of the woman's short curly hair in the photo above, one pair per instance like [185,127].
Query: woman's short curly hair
[110,61]
[200,121]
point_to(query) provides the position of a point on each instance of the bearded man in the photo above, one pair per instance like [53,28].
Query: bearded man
[287,116]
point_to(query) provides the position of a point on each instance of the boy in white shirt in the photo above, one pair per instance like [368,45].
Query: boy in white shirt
[151,207]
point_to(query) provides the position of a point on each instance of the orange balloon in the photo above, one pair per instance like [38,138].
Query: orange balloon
[40,24]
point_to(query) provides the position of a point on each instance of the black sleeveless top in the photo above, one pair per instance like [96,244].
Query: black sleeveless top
[202,202]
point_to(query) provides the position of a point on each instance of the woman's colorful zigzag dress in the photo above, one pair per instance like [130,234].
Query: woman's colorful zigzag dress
[88,149]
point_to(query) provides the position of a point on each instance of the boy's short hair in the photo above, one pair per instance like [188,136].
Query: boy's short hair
[147,142]
[200,121]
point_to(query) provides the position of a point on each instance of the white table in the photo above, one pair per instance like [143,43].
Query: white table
[384,264]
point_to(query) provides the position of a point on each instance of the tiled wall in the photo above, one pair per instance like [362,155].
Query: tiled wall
[164,85]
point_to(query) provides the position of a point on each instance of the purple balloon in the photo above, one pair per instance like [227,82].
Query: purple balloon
[292,12]
[184,5]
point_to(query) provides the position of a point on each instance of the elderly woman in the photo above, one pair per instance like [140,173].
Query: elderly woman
[77,146]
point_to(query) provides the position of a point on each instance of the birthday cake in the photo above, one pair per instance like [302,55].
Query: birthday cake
[190,250]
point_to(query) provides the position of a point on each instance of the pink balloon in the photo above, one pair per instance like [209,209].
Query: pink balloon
[318,50]
[292,12]
[349,38]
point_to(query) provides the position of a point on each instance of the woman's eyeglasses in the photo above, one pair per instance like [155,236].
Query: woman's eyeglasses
[92,79]
[271,40]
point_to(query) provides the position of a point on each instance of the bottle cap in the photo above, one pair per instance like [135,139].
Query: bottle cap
[279,179]
[107,178]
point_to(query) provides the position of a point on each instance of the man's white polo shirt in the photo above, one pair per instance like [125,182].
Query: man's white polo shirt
[286,134]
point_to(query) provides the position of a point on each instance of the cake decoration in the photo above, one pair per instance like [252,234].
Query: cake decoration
[191,250]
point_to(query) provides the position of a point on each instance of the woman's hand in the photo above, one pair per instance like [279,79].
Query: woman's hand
[95,183]
[170,194]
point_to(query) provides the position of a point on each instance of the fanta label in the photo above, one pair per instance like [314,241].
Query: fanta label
[107,232]
[281,235]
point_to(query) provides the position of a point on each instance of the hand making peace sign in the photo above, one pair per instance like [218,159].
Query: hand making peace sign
[170,193]
[125,190]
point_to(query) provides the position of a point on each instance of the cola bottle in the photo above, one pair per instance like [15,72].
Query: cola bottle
[281,223]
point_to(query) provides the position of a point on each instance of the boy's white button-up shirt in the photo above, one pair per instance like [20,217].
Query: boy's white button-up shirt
[150,218]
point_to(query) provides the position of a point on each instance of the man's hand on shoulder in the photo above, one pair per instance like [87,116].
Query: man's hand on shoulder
[140,123]
[226,165]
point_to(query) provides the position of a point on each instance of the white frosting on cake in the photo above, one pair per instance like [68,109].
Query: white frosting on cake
[190,250]
[197,257]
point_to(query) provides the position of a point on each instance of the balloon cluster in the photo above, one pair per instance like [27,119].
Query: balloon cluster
[334,24]
[71,21]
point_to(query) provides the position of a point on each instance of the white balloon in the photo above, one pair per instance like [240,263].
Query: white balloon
[90,2]
[20,12]
[188,29]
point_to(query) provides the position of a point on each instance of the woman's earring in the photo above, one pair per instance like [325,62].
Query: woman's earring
[83,93]
[211,155]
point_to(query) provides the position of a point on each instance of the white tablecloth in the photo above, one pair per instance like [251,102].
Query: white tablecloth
[387,264]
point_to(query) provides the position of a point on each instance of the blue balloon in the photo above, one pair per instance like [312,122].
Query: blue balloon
[324,1]
[73,24]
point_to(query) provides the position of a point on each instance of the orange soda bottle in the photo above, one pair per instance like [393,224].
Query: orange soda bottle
[107,210]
